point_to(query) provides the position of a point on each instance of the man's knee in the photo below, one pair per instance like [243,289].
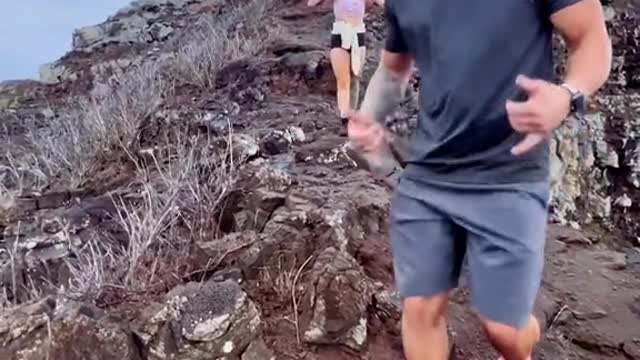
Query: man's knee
[516,342]
[500,332]
[429,311]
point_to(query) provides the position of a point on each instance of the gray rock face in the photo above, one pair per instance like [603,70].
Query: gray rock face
[127,30]
[607,140]
[145,21]
[143,25]
[336,307]
[201,321]
[51,329]
[53,73]
[130,29]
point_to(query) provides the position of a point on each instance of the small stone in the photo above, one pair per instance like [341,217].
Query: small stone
[607,156]
[575,237]
[589,314]
[612,259]
[227,347]
[52,226]
[297,134]
[48,113]
[609,13]
[244,146]
[275,143]
[631,348]
[624,201]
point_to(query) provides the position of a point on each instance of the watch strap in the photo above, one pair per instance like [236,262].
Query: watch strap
[576,103]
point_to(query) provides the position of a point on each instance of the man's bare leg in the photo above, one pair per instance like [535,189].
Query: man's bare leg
[512,343]
[424,328]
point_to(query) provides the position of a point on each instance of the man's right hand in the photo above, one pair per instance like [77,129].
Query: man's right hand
[365,133]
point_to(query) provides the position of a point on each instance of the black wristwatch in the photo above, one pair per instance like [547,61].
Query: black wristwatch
[578,103]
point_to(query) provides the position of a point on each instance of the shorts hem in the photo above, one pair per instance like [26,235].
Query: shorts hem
[516,321]
[427,292]
[336,41]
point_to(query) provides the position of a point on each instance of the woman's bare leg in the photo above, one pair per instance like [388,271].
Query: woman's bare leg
[341,65]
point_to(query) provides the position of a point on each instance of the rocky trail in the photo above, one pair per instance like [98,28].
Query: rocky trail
[175,188]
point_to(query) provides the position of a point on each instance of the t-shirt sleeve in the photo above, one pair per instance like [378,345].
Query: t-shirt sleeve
[394,42]
[556,5]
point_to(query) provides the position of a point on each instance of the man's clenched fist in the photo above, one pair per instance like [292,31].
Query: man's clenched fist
[365,134]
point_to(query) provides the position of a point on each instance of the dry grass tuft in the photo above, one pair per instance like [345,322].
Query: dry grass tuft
[240,33]
[177,193]
[66,152]
[178,190]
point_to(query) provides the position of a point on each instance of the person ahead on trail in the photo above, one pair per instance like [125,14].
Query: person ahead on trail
[476,183]
[348,50]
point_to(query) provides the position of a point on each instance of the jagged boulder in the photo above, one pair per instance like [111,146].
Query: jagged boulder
[200,321]
[335,308]
[58,329]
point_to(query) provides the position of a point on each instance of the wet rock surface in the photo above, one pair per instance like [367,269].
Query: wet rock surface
[284,253]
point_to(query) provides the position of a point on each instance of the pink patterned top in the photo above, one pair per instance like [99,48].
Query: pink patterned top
[349,9]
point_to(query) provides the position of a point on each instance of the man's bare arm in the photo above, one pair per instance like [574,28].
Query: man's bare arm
[387,86]
[583,28]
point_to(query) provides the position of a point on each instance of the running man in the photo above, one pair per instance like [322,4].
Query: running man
[348,51]
[477,181]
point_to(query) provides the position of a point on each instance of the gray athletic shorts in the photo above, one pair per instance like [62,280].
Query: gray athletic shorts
[500,230]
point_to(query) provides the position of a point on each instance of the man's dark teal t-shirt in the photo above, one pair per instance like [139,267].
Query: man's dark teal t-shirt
[468,54]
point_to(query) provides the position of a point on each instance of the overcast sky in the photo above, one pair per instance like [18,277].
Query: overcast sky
[33,32]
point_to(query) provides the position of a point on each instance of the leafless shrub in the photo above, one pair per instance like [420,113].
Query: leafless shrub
[240,33]
[148,224]
[14,292]
[67,150]
[89,269]
[11,185]
[178,191]
[183,190]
